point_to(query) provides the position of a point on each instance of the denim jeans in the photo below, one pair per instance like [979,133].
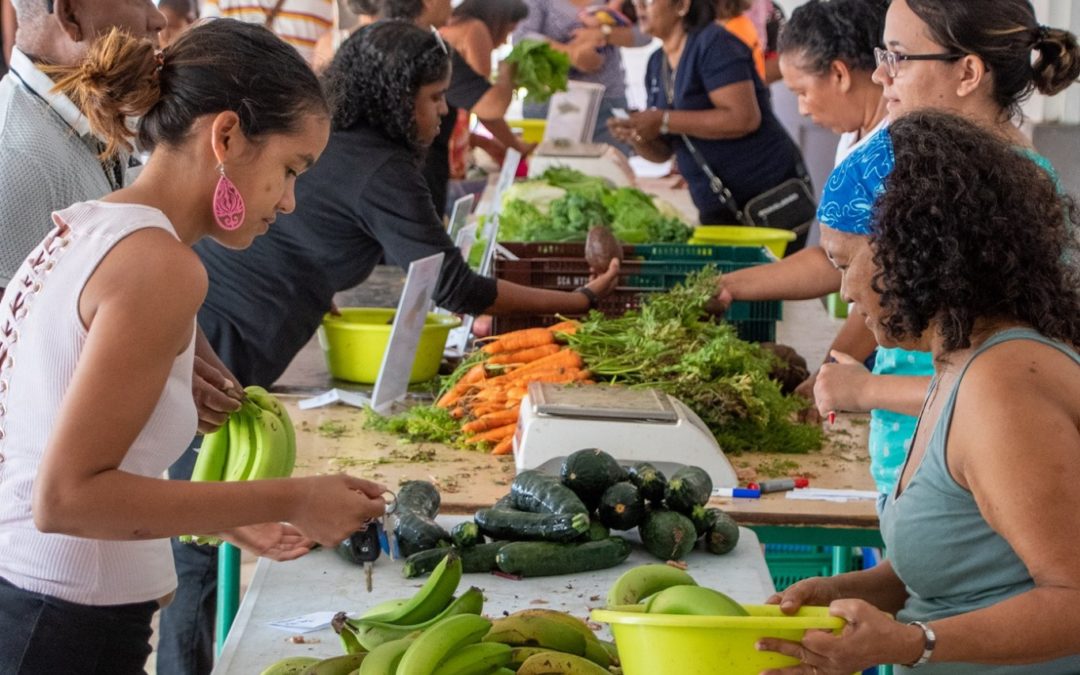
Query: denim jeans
[43,635]
[601,134]
[186,631]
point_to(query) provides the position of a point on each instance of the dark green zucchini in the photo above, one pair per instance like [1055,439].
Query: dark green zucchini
[723,535]
[516,525]
[649,480]
[466,535]
[597,531]
[621,507]
[542,559]
[668,535]
[415,508]
[703,519]
[589,473]
[688,487]
[541,493]
[478,559]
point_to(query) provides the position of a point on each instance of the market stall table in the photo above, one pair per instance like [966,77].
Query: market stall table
[323,582]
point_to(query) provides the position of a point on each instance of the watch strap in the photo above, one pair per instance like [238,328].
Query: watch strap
[589,294]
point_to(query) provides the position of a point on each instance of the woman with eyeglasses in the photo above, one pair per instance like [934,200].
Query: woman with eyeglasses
[707,106]
[981,61]
[982,575]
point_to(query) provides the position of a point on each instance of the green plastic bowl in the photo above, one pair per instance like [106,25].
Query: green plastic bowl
[355,342]
[776,240]
[666,644]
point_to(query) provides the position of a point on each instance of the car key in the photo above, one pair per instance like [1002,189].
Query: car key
[389,527]
[366,550]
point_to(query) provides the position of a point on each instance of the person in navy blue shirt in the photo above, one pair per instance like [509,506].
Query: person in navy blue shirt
[702,84]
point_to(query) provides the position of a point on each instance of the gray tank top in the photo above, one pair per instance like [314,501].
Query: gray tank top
[950,560]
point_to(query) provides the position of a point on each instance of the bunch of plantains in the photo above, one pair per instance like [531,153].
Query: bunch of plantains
[436,633]
[258,441]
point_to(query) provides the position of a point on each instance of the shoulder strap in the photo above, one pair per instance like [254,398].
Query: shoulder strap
[272,14]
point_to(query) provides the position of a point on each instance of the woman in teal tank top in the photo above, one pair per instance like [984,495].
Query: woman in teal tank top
[983,575]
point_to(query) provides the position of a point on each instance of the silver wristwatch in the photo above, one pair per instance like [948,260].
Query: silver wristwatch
[930,641]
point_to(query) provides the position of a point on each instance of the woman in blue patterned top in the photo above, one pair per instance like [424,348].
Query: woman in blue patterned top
[982,575]
[974,59]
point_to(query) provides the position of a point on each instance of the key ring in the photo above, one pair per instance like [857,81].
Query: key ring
[392,504]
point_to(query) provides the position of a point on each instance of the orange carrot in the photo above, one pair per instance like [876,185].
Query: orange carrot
[505,446]
[491,420]
[520,339]
[564,358]
[494,435]
[475,375]
[458,412]
[565,327]
[523,356]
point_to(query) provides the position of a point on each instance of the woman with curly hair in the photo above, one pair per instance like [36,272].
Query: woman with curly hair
[982,574]
[981,61]
[366,199]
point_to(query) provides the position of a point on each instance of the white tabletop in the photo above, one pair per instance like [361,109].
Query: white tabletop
[323,582]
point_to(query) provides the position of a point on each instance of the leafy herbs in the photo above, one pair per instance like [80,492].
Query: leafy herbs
[541,70]
[670,344]
[419,423]
[564,204]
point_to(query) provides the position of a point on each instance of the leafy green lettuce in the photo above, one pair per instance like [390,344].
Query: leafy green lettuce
[541,70]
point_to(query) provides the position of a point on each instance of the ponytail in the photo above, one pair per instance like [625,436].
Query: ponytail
[1058,62]
[117,80]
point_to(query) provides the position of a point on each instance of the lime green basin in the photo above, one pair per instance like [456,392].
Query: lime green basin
[355,342]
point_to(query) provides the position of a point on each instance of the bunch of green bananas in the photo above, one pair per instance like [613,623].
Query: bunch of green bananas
[258,441]
[549,641]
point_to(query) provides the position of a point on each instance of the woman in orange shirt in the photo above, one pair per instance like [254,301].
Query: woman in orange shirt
[731,14]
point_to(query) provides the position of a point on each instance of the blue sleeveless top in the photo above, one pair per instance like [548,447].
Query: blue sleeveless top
[977,567]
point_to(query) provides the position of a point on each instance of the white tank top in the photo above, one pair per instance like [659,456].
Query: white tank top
[41,339]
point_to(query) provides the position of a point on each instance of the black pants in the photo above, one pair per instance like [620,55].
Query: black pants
[43,635]
[186,631]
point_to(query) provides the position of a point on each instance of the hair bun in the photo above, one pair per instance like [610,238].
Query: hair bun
[1058,63]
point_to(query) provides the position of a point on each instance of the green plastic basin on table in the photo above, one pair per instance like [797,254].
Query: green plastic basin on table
[354,343]
[774,239]
[665,644]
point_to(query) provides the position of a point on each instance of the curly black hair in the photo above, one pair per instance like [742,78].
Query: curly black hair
[970,228]
[839,30]
[377,73]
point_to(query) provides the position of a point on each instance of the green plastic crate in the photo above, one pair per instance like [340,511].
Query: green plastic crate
[646,269]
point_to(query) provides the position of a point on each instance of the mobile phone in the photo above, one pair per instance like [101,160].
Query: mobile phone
[620,114]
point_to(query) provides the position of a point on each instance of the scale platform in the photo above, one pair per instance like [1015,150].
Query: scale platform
[632,425]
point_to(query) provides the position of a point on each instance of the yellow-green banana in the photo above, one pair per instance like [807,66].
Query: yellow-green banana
[440,641]
[290,665]
[370,634]
[210,463]
[268,401]
[518,655]
[475,659]
[384,659]
[270,445]
[337,665]
[432,598]
[555,663]
[383,608]
[537,631]
[593,649]
[241,455]
[645,580]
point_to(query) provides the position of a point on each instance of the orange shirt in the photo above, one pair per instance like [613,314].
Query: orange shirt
[743,28]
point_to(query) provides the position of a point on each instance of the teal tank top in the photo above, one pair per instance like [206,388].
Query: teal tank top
[891,432]
[949,558]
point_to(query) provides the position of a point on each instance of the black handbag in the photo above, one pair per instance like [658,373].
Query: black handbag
[787,206]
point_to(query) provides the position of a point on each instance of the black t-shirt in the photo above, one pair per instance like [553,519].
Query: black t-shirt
[364,198]
[714,58]
[466,88]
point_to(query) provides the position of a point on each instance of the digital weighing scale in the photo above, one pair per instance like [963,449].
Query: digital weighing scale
[632,425]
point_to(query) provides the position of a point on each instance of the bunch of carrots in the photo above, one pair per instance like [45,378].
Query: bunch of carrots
[487,398]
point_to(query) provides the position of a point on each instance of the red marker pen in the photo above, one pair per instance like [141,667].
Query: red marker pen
[779,485]
[832,417]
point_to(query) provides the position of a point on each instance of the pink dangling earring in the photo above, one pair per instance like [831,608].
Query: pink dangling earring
[229,206]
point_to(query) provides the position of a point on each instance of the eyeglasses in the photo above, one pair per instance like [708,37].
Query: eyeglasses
[891,60]
[439,39]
